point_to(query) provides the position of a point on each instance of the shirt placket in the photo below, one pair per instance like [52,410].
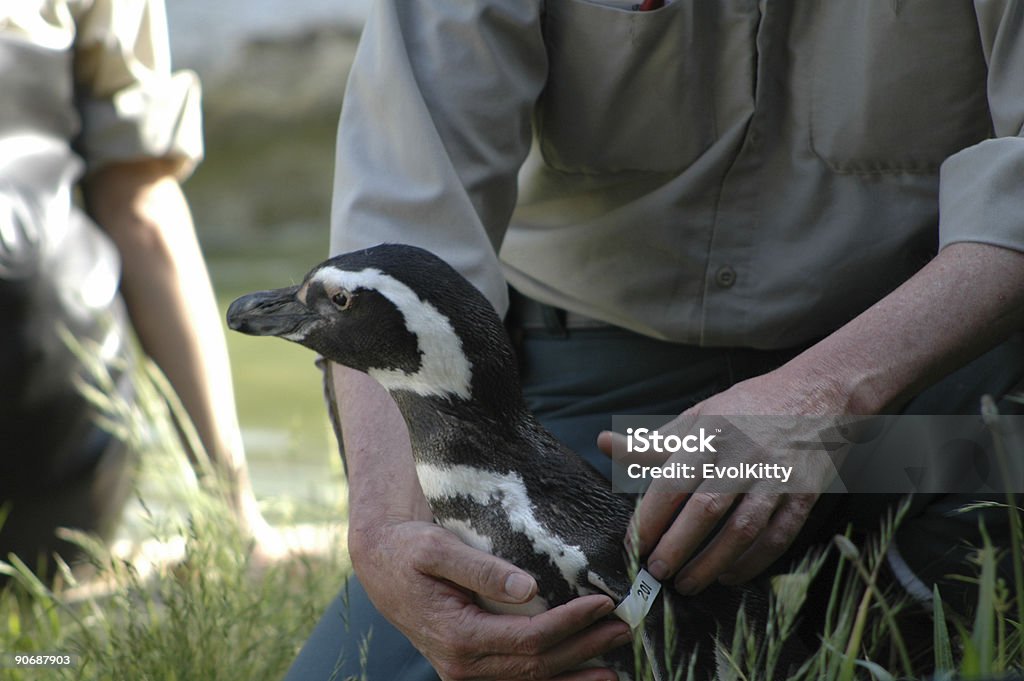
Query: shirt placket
[728,280]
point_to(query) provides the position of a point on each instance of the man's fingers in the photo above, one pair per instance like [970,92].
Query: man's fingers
[579,613]
[532,635]
[443,555]
[507,646]
[617,445]
[588,675]
[567,655]
[744,527]
[577,650]
[703,510]
[652,517]
[777,537]
[588,645]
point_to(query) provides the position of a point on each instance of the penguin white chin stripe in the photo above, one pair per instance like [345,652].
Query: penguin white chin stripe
[483,486]
[444,370]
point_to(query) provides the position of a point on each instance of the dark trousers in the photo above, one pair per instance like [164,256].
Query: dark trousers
[575,380]
[59,467]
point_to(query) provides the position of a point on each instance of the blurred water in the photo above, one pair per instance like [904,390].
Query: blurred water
[204,31]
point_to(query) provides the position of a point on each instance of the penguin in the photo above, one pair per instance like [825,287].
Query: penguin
[491,473]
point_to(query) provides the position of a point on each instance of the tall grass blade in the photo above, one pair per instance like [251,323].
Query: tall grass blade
[990,413]
[943,646]
[983,635]
[877,671]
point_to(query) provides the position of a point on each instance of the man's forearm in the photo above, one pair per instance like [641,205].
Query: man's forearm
[382,478]
[966,300]
[171,302]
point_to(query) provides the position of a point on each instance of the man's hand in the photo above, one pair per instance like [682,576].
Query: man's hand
[756,519]
[423,579]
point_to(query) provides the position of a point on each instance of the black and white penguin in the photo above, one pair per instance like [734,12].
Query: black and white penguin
[490,472]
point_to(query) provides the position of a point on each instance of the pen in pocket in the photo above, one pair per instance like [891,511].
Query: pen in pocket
[648,5]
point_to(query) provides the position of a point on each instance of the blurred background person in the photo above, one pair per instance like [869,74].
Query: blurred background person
[90,103]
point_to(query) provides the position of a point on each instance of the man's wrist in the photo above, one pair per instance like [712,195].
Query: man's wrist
[361,539]
[829,382]
[366,535]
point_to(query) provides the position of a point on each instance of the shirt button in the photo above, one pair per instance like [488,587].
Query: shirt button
[725,277]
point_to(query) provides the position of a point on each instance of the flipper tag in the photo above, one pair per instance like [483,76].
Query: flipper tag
[637,604]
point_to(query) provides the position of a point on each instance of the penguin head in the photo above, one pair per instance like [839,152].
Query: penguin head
[398,313]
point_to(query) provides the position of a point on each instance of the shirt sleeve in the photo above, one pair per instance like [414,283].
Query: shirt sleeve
[435,124]
[981,190]
[132,106]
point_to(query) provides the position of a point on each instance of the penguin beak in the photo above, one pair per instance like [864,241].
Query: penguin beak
[270,313]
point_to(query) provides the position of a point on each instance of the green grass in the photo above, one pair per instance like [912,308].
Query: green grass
[863,637]
[215,615]
[209,618]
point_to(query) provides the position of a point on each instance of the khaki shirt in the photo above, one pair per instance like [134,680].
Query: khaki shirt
[733,172]
[130,103]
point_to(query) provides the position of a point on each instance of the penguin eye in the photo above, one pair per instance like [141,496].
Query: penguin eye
[342,299]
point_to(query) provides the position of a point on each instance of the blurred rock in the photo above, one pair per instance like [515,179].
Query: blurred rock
[271,114]
[276,80]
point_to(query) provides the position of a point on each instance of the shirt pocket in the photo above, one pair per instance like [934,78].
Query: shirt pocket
[898,85]
[625,91]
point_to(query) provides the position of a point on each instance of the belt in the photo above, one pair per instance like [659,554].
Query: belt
[527,313]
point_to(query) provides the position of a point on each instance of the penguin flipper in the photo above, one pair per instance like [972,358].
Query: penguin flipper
[601,585]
